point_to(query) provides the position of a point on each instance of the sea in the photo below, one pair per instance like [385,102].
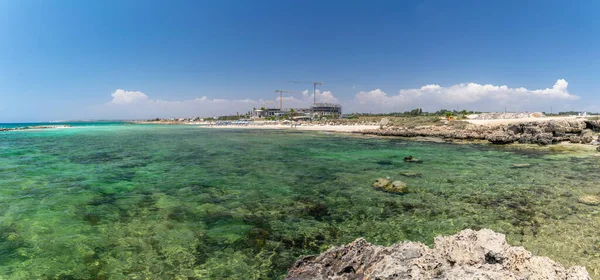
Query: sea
[111,200]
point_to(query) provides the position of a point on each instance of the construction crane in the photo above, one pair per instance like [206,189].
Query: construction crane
[265,104]
[281,92]
[314,89]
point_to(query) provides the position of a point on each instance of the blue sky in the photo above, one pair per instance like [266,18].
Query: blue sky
[68,59]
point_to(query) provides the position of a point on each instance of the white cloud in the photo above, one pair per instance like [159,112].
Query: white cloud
[471,96]
[137,105]
[466,96]
[127,97]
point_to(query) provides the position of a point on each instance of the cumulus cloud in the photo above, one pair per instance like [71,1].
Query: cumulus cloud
[471,96]
[127,97]
[467,96]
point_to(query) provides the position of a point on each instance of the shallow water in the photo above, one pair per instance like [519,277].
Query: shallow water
[170,202]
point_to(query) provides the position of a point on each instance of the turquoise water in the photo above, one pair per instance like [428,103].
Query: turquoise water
[75,124]
[182,202]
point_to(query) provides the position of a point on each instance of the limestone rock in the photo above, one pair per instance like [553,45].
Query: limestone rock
[384,121]
[392,187]
[468,254]
[501,137]
[411,174]
[381,183]
[589,199]
[544,138]
[587,136]
[411,159]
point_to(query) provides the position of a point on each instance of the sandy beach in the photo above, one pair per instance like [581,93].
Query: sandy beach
[304,127]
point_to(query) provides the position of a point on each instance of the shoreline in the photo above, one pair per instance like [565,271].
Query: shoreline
[40,127]
[555,133]
[303,127]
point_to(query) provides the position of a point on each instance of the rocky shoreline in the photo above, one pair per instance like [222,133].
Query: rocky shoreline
[469,254]
[33,127]
[524,132]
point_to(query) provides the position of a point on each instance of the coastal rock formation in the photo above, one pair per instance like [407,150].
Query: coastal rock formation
[388,186]
[542,132]
[501,137]
[468,254]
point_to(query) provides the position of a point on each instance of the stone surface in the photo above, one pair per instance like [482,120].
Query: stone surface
[589,199]
[388,186]
[411,174]
[411,159]
[381,183]
[501,137]
[468,254]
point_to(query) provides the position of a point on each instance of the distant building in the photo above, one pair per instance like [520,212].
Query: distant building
[319,110]
[327,109]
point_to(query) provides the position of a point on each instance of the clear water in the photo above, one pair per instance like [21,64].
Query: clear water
[182,202]
[74,124]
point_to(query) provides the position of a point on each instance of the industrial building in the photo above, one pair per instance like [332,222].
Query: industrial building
[316,111]
[326,109]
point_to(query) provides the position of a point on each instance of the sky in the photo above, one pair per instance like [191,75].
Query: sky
[79,60]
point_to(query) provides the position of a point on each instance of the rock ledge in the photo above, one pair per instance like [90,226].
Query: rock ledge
[469,254]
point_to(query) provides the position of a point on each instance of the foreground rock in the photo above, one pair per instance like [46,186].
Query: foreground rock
[468,254]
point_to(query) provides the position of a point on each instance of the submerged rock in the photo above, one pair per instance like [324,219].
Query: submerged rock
[381,182]
[468,254]
[411,174]
[388,186]
[411,159]
[589,199]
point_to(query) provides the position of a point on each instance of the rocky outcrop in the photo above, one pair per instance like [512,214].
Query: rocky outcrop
[526,132]
[469,254]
